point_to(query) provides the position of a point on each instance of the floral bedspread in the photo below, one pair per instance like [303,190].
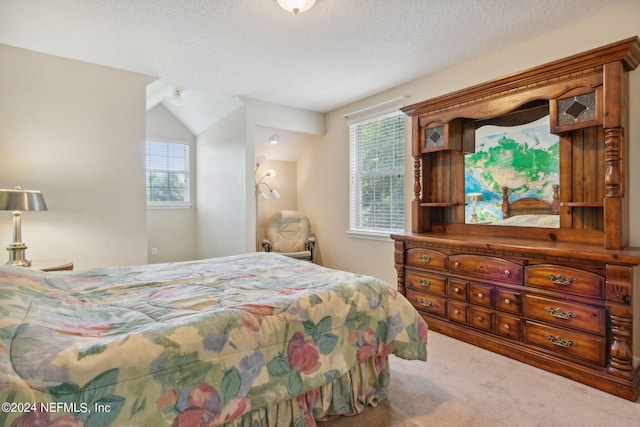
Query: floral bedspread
[190,342]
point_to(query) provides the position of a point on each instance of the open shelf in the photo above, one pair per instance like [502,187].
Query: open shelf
[437,205]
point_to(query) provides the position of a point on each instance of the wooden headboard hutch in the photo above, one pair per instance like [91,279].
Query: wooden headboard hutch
[562,299]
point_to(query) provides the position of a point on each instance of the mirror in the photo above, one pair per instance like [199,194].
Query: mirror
[512,177]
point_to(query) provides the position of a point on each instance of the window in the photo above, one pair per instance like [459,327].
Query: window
[167,173]
[377,174]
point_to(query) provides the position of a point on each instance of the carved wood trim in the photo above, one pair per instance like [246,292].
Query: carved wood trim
[613,139]
[618,284]
[399,261]
[620,361]
[417,186]
[590,62]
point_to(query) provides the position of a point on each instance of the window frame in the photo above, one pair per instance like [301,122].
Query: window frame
[356,226]
[182,204]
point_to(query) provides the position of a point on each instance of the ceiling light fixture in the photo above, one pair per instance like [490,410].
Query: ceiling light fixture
[274,139]
[296,6]
[176,98]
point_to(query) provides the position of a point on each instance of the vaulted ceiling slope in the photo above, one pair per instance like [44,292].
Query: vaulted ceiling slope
[338,52]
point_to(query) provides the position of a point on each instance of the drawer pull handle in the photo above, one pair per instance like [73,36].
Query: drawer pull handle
[456,311]
[560,279]
[424,283]
[560,342]
[507,273]
[507,327]
[560,313]
[480,295]
[456,290]
[480,319]
[425,259]
[507,301]
[456,264]
[425,303]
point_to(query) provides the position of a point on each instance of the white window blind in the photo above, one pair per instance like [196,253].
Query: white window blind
[377,174]
[167,173]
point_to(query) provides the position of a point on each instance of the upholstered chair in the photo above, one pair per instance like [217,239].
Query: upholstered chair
[289,233]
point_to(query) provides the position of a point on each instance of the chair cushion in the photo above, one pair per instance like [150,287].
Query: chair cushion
[288,231]
[298,255]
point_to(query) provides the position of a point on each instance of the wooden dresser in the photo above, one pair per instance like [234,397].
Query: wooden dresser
[559,298]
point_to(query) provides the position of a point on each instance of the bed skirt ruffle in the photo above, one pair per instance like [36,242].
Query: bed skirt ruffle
[365,384]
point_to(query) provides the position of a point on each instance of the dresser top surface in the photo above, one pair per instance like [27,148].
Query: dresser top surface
[531,247]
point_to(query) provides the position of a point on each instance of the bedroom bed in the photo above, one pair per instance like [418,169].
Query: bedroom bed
[248,340]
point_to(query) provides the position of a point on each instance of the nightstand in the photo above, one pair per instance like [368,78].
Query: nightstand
[52,265]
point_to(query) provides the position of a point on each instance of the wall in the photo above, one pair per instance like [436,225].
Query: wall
[226,210]
[221,195]
[172,231]
[76,132]
[328,200]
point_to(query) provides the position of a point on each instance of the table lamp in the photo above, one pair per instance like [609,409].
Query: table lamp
[18,200]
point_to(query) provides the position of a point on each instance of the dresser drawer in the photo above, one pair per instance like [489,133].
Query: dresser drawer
[509,326]
[419,257]
[426,282]
[458,289]
[459,312]
[567,342]
[481,294]
[509,300]
[485,267]
[579,316]
[565,279]
[429,303]
[481,318]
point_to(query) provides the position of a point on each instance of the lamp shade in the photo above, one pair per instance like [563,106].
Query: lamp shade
[475,197]
[18,199]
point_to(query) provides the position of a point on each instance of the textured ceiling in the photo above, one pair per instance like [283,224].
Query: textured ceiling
[337,52]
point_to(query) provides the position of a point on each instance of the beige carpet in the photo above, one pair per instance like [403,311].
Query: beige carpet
[463,385]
